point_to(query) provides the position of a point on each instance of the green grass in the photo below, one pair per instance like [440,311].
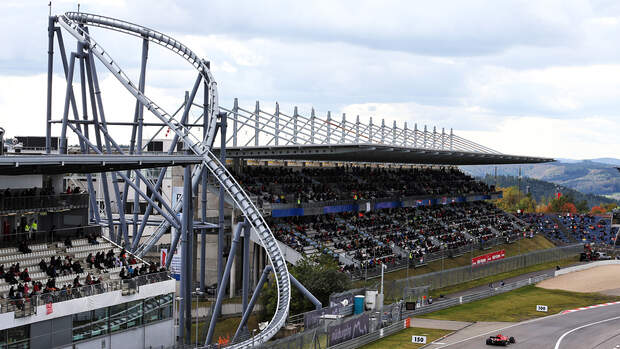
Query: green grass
[503,276]
[520,305]
[522,246]
[223,327]
[402,339]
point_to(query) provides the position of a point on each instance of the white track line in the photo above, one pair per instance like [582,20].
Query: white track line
[500,329]
[522,323]
[557,344]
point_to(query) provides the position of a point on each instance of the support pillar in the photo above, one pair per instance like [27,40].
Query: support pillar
[342,128]
[222,286]
[189,252]
[50,73]
[256,123]
[312,121]
[277,128]
[220,235]
[357,129]
[203,193]
[245,287]
[305,292]
[295,117]
[329,127]
[186,302]
[250,307]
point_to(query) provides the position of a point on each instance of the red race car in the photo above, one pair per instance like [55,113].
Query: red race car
[500,340]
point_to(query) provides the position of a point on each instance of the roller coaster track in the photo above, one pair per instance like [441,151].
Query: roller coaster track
[74,24]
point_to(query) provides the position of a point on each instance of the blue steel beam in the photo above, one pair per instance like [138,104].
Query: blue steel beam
[222,285]
[255,295]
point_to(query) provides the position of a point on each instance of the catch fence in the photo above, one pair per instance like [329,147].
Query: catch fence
[455,276]
[392,319]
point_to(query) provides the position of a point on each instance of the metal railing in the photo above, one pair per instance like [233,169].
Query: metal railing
[463,274]
[27,306]
[385,323]
[395,197]
[13,203]
[49,236]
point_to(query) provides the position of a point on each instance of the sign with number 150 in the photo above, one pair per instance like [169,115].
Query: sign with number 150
[418,339]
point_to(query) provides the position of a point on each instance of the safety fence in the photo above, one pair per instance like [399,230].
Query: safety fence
[28,306]
[454,276]
[17,203]
[392,319]
[374,272]
[492,291]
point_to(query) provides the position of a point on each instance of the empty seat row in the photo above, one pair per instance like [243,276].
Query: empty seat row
[20,257]
[89,247]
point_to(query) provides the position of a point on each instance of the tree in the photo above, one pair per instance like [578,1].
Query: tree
[513,200]
[582,206]
[527,204]
[321,276]
[569,207]
[598,210]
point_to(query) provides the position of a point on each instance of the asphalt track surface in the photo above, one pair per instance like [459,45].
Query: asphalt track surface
[592,328]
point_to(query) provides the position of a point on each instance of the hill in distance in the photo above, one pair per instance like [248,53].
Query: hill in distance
[543,191]
[598,177]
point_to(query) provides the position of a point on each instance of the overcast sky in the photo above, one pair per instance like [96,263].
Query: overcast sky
[537,78]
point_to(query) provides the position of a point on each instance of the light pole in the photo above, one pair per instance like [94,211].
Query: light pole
[176,314]
[198,294]
[383,267]
[443,247]
[380,300]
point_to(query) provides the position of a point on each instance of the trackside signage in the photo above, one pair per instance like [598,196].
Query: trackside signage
[542,308]
[418,339]
[348,330]
[489,257]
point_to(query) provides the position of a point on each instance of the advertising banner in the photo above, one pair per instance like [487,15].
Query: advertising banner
[312,318]
[348,330]
[489,257]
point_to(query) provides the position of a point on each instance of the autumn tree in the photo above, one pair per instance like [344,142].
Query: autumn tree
[321,276]
[569,207]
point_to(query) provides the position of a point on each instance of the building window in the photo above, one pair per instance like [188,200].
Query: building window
[134,314]
[17,337]
[100,322]
[117,317]
[151,310]
[165,305]
[81,325]
[90,324]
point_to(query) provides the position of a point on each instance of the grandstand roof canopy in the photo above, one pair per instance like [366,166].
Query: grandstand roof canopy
[377,153]
[58,164]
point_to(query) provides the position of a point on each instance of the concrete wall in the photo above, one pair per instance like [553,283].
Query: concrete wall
[20,182]
[62,309]
[586,266]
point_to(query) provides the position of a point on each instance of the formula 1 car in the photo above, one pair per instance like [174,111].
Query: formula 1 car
[500,340]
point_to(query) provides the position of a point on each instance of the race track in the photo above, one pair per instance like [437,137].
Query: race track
[593,328]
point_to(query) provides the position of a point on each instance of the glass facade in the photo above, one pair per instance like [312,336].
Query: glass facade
[15,338]
[121,317]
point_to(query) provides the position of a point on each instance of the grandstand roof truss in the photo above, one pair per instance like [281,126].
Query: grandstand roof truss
[277,135]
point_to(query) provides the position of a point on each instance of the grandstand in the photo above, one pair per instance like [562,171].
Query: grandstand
[63,282]
[364,216]
[570,228]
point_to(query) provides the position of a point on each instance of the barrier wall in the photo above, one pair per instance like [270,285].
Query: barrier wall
[362,205]
[586,266]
